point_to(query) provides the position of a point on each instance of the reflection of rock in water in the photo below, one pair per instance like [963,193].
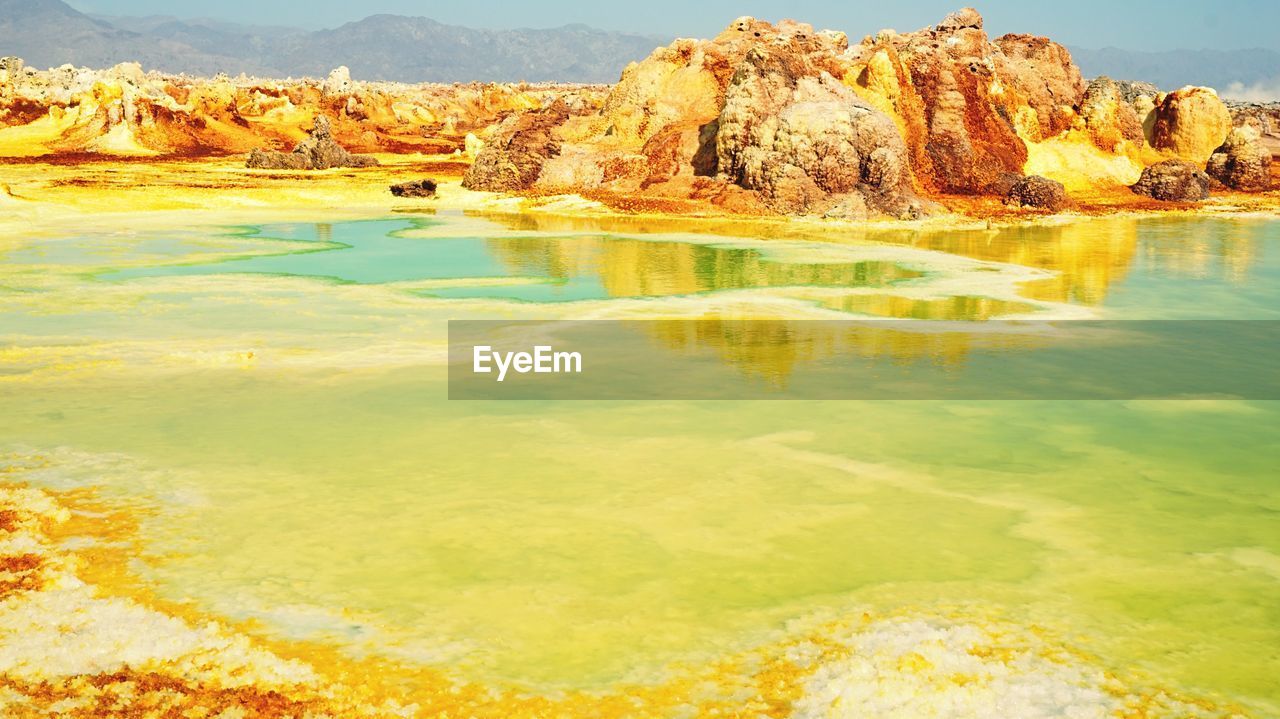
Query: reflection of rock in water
[640,268]
[1202,250]
[774,350]
[961,307]
[1089,256]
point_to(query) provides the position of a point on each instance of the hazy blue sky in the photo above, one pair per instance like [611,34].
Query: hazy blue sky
[1140,25]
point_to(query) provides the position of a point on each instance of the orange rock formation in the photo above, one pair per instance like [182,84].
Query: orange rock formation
[126,112]
[763,119]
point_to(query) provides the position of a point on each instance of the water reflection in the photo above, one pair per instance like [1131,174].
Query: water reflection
[642,268]
[1124,267]
[871,359]
[1224,251]
[1089,257]
[775,350]
[1130,268]
[960,307]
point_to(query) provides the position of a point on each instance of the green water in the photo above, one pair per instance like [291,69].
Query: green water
[280,393]
[542,268]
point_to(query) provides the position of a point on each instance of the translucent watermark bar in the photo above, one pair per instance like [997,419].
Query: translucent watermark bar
[700,359]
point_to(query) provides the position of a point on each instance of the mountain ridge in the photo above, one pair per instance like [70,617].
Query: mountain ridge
[50,33]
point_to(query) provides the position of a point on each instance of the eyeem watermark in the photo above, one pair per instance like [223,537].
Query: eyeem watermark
[864,359]
[543,360]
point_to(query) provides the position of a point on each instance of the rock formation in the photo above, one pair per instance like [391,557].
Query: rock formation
[125,111]
[1264,117]
[967,106]
[807,143]
[1243,162]
[758,109]
[425,187]
[1038,192]
[1108,112]
[1044,71]
[763,118]
[794,121]
[318,152]
[1191,123]
[957,147]
[1136,92]
[513,157]
[807,123]
[1173,181]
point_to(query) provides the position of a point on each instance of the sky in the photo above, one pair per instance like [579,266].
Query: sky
[1132,25]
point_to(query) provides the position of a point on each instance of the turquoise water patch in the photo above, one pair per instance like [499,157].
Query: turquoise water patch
[552,268]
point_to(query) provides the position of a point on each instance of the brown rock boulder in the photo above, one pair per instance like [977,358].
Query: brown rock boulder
[807,143]
[425,187]
[1173,181]
[1191,123]
[666,109]
[1044,70]
[1109,115]
[317,152]
[1243,162]
[965,18]
[958,99]
[1038,192]
[1264,117]
[513,158]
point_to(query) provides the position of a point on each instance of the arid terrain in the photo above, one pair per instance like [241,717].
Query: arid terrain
[762,120]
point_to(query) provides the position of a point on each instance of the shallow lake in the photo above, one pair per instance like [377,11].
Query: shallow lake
[278,394]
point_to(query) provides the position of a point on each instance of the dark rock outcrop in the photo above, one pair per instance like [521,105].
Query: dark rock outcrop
[1173,181]
[1261,116]
[1134,91]
[513,158]
[318,152]
[1002,185]
[425,187]
[1040,193]
[1243,162]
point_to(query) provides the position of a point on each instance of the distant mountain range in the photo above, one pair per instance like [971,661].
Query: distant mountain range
[48,33]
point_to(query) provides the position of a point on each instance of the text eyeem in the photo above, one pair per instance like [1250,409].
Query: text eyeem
[543,360]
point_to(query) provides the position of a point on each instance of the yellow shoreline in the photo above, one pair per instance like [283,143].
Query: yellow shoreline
[72,583]
[61,197]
